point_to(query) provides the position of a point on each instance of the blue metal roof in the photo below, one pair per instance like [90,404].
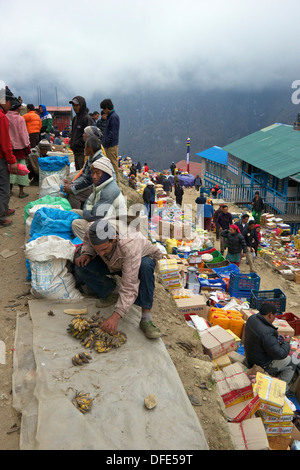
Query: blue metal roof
[215,154]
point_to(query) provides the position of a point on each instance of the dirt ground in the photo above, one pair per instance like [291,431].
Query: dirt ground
[194,368]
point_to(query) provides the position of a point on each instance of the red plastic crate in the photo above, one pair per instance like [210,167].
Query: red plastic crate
[292,320]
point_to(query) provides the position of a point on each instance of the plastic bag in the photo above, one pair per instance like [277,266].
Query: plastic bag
[51,186]
[31,213]
[54,169]
[51,221]
[49,201]
[50,279]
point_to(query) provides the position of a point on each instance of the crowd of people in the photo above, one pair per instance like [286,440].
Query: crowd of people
[93,193]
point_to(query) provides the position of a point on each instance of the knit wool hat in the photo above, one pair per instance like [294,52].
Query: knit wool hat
[44,144]
[101,231]
[103,164]
[93,131]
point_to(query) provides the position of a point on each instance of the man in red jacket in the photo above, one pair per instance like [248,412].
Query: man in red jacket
[6,157]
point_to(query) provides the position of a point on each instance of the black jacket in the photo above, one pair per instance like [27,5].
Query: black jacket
[258,205]
[111,133]
[261,342]
[235,243]
[79,122]
[250,236]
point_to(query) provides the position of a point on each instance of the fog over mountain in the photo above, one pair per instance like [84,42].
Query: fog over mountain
[211,71]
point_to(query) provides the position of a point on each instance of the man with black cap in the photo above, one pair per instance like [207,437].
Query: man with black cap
[81,120]
[108,250]
[6,156]
[265,348]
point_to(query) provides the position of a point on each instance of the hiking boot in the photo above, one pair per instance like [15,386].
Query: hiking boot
[107,301]
[6,223]
[150,330]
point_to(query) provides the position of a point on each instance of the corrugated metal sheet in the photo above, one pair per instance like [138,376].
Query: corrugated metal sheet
[215,154]
[274,149]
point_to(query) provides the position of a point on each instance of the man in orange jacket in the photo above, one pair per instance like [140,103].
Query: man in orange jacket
[6,158]
[33,124]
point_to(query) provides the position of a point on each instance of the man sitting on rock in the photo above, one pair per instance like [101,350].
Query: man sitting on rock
[108,251]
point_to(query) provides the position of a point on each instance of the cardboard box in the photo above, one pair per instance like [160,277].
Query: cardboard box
[283,328]
[243,410]
[278,429]
[250,434]
[221,362]
[286,417]
[165,229]
[281,442]
[234,356]
[271,392]
[247,312]
[233,384]
[195,304]
[216,342]
[167,265]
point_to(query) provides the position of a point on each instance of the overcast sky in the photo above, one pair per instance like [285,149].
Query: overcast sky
[127,45]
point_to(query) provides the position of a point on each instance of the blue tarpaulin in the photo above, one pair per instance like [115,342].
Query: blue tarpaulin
[184,180]
[53,163]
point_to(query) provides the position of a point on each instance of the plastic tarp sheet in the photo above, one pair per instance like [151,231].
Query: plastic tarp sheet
[45,382]
[52,221]
[184,180]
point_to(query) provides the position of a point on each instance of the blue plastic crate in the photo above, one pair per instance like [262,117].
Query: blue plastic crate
[242,281]
[227,270]
[275,297]
[239,294]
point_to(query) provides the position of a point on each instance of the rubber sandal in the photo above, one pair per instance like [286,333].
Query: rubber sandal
[6,223]
[10,212]
[24,195]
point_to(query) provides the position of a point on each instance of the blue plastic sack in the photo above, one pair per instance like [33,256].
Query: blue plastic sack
[50,221]
[53,163]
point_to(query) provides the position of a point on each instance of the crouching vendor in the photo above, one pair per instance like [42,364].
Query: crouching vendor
[265,348]
[107,252]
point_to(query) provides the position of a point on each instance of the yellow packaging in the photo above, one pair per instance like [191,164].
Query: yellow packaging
[166,265]
[286,417]
[271,392]
[222,361]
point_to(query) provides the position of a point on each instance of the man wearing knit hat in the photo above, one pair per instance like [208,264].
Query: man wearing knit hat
[106,252]
[106,200]
[40,151]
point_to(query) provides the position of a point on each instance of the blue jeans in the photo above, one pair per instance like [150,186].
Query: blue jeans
[95,276]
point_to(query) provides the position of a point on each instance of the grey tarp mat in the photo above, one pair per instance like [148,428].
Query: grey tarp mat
[45,382]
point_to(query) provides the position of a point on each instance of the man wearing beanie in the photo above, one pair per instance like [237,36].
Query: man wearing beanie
[265,348]
[105,252]
[106,200]
[6,157]
[41,150]
[80,188]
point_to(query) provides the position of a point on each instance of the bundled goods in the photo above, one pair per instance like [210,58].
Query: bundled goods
[275,410]
[169,273]
[89,332]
